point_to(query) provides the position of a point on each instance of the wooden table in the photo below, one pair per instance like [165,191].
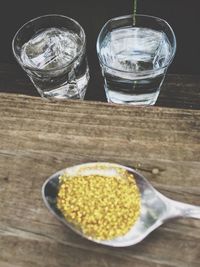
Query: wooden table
[37,138]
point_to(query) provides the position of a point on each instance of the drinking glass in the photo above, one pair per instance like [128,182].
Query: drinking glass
[52,51]
[134,58]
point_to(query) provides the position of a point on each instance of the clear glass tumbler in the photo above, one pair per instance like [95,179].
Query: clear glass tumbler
[52,51]
[134,58]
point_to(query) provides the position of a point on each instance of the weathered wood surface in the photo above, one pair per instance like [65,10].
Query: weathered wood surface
[38,138]
[178,91]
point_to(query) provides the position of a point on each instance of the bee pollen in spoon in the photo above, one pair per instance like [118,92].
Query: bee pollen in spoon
[102,207]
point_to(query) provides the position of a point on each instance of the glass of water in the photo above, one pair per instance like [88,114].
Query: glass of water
[134,58]
[52,51]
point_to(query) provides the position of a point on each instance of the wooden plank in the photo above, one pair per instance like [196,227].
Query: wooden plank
[38,137]
[180,91]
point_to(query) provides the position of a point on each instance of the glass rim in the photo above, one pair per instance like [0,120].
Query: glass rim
[80,52]
[145,72]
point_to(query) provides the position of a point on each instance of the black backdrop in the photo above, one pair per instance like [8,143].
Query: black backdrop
[182,15]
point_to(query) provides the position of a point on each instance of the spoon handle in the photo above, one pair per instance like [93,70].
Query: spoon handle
[185,210]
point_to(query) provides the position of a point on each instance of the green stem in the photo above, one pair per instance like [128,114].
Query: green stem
[134,11]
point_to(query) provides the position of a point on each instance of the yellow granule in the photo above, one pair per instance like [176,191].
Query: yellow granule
[102,207]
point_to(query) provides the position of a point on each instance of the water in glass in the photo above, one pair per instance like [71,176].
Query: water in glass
[50,58]
[134,61]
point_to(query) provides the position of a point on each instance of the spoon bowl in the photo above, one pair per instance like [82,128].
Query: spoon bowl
[155,207]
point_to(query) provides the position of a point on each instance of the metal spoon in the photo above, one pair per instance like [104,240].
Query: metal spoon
[155,207]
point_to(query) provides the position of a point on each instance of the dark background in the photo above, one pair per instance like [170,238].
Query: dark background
[183,16]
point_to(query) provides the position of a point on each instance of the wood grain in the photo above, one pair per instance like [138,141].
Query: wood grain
[38,137]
